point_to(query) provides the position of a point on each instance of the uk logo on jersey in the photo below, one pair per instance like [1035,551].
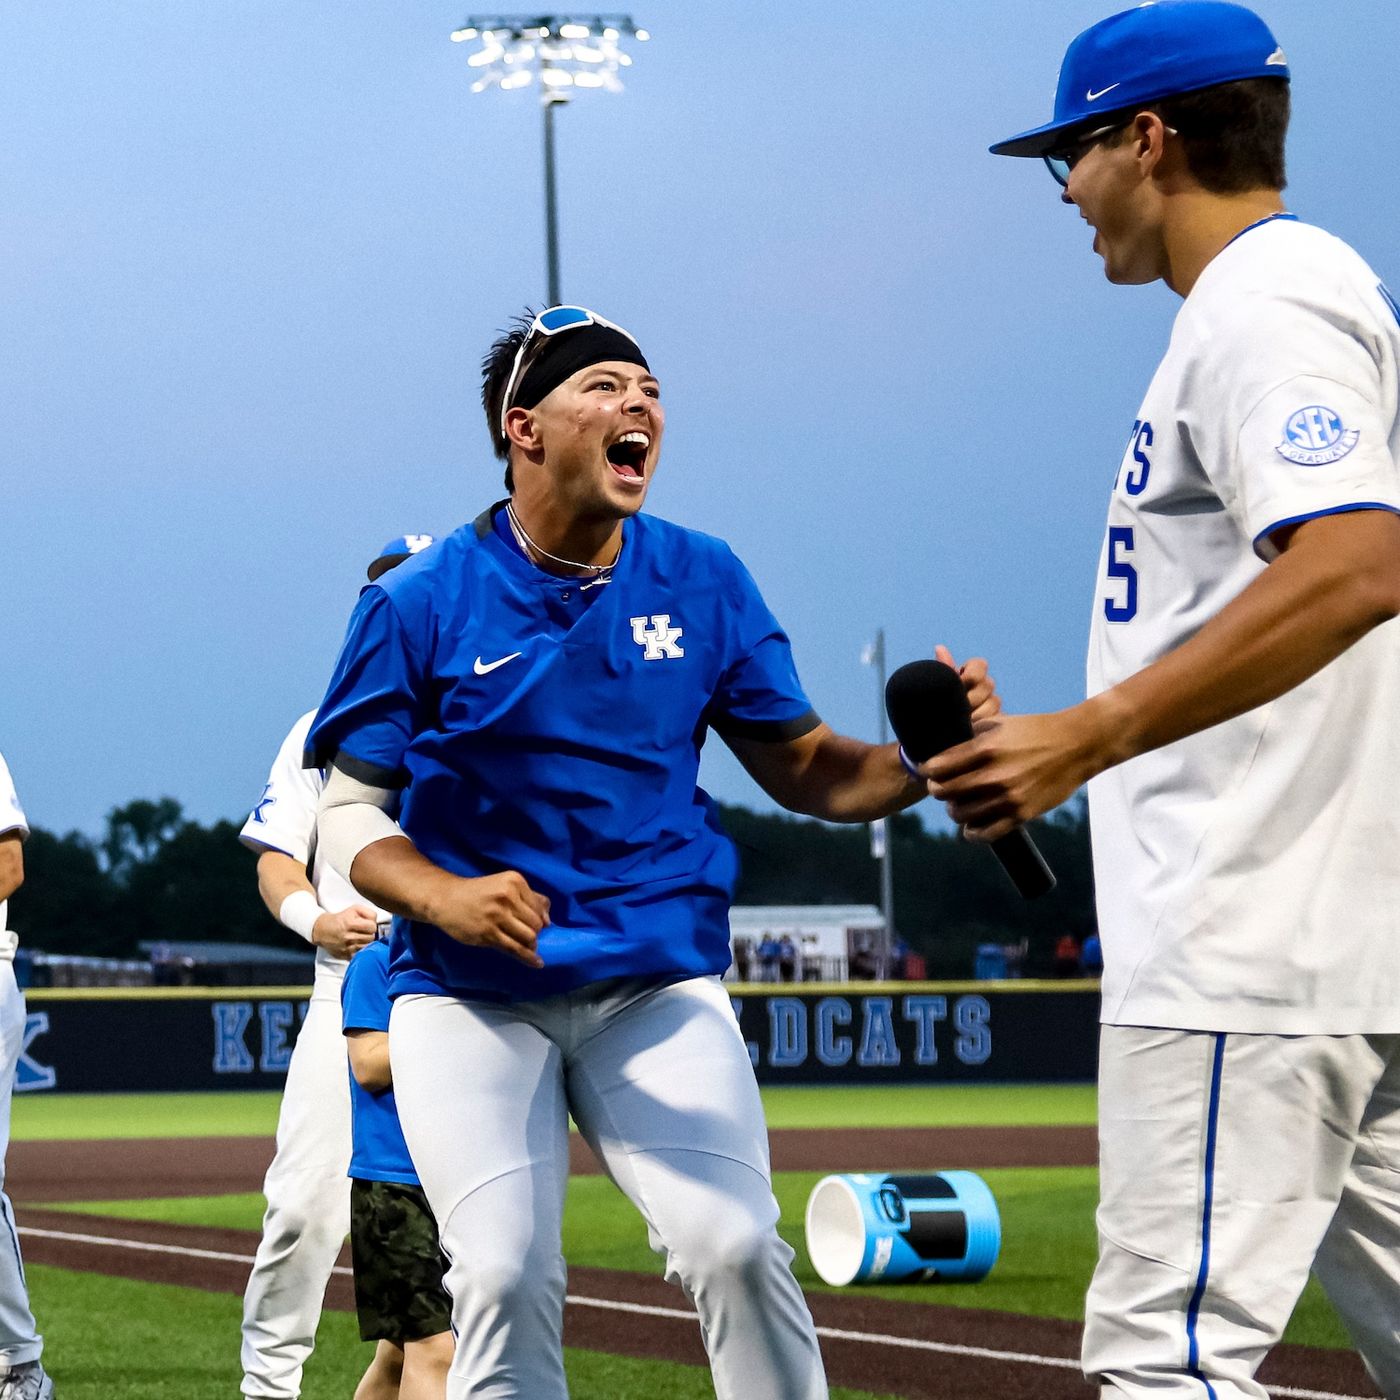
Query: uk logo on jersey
[660,640]
[1316,436]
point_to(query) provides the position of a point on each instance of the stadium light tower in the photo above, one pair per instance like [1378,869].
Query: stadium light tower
[560,53]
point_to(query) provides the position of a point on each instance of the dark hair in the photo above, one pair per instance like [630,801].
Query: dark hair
[495,370]
[1233,134]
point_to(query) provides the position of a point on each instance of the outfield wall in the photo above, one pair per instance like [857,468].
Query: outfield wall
[130,1039]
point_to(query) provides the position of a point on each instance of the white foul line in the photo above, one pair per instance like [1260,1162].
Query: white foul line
[838,1334]
[149,1247]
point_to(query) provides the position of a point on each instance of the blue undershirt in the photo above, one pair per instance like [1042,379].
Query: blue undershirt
[379,1152]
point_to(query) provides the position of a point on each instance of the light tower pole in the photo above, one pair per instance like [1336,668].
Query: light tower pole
[549,100]
[560,53]
[882,833]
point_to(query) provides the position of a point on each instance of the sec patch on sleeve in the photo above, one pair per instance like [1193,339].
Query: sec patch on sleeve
[1315,436]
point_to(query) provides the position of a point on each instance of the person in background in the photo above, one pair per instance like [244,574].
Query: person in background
[1091,956]
[308,1197]
[787,959]
[1067,956]
[399,1295]
[768,955]
[22,1375]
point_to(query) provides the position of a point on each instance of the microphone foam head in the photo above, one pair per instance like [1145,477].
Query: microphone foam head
[928,708]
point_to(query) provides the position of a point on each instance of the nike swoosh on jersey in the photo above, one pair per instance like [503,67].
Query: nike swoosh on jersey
[484,668]
[1093,96]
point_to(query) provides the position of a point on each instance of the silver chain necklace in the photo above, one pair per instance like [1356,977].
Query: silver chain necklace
[602,573]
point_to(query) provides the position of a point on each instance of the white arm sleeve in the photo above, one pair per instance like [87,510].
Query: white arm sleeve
[350,816]
[11,815]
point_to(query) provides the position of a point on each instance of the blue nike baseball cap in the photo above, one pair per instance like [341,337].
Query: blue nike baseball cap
[395,552]
[1138,57]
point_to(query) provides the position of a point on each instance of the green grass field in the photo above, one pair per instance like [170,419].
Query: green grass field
[71,1116]
[112,1339]
[1047,1255]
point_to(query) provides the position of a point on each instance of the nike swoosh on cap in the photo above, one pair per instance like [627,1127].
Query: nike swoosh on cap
[484,668]
[1093,96]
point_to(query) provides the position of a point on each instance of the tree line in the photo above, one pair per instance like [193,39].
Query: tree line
[156,875]
[949,894]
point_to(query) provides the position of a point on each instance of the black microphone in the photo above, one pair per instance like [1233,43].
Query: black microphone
[928,710]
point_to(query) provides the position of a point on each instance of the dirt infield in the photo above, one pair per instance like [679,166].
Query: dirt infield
[134,1168]
[913,1350]
[916,1351]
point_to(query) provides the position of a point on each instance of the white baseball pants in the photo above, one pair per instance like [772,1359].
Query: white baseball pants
[19,1339]
[1231,1165]
[308,1201]
[659,1081]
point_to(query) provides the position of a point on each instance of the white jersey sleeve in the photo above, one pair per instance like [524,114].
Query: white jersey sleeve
[1309,390]
[284,817]
[11,821]
[11,813]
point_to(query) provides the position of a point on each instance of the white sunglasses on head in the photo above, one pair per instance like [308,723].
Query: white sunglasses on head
[553,321]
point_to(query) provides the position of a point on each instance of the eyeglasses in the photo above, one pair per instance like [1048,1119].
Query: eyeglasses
[1060,163]
[554,321]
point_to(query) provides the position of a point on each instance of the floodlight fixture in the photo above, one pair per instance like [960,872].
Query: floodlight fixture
[559,53]
[508,41]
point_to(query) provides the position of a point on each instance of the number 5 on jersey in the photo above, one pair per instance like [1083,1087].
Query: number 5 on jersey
[1120,548]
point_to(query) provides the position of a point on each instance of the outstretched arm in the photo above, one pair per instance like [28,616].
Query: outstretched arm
[828,775]
[1336,578]
[840,779]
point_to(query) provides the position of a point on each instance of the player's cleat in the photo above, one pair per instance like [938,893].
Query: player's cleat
[27,1382]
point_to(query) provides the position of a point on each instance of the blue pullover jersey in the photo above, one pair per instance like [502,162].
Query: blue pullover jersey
[549,726]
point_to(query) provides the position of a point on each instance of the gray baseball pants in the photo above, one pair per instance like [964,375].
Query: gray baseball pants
[308,1202]
[19,1339]
[659,1081]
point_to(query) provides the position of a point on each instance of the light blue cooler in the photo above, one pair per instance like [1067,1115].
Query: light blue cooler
[864,1227]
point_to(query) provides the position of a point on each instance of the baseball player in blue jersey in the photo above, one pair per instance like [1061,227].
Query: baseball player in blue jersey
[308,1197]
[528,697]
[22,1375]
[1240,741]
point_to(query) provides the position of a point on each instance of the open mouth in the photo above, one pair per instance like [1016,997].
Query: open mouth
[627,456]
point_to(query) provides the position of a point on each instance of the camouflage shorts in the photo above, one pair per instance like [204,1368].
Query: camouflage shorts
[399,1264]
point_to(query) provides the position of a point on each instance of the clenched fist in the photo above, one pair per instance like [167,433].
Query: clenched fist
[343,934]
[494,911]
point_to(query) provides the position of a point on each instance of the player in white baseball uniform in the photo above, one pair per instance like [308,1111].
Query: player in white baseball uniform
[22,1374]
[1240,741]
[307,1189]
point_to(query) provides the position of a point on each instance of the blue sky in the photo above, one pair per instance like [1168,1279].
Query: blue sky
[250,256]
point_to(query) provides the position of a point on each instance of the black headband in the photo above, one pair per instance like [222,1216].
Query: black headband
[567,353]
